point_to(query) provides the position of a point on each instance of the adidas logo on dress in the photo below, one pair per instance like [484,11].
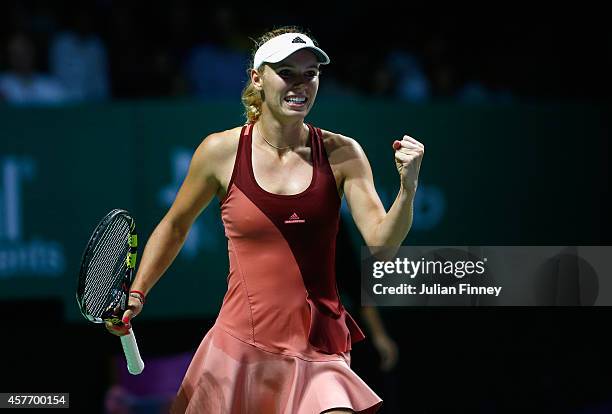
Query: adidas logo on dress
[294,219]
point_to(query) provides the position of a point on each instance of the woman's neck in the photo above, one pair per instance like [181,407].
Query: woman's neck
[281,135]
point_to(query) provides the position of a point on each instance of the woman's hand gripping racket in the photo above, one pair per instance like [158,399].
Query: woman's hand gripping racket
[107,271]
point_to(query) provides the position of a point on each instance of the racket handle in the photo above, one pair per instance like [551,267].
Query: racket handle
[132,355]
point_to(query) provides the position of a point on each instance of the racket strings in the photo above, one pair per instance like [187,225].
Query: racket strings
[107,268]
[103,282]
[101,285]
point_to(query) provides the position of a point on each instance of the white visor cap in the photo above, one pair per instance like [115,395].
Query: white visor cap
[280,47]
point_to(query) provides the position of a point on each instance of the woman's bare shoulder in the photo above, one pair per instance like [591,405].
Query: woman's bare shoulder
[222,143]
[338,145]
[216,152]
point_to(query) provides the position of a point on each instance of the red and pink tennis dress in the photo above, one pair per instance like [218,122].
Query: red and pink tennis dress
[281,343]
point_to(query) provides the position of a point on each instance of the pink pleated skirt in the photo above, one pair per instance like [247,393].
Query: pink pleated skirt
[230,376]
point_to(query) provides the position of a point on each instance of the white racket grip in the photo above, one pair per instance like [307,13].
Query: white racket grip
[132,355]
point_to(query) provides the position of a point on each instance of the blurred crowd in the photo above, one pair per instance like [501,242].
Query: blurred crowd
[65,52]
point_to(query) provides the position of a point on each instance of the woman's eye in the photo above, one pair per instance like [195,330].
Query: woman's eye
[286,74]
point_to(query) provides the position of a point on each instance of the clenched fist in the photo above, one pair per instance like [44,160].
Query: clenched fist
[408,156]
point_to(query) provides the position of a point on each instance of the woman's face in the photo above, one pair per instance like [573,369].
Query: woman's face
[290,86]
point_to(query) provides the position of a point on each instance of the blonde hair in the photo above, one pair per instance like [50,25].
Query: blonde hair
[252,99]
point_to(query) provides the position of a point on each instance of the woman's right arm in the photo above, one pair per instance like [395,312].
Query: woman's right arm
[197,190]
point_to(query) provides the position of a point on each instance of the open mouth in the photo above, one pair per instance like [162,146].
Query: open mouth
[296,101]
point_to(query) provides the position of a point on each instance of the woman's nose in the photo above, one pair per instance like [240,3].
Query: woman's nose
[299,79]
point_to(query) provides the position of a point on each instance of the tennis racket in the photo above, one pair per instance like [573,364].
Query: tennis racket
[107,271]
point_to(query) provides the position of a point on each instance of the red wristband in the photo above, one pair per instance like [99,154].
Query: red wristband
[138,292]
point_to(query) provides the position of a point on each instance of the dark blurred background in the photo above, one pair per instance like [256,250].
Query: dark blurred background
[134,50]
[512,105]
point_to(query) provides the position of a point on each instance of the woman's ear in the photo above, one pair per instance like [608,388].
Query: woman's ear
[257,79]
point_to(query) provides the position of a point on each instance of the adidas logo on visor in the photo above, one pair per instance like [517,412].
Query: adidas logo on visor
[298,40]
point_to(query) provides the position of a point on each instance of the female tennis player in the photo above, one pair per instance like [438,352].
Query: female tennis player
[281,342]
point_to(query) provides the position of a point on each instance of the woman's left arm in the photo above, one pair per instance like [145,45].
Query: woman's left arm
[380,228]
